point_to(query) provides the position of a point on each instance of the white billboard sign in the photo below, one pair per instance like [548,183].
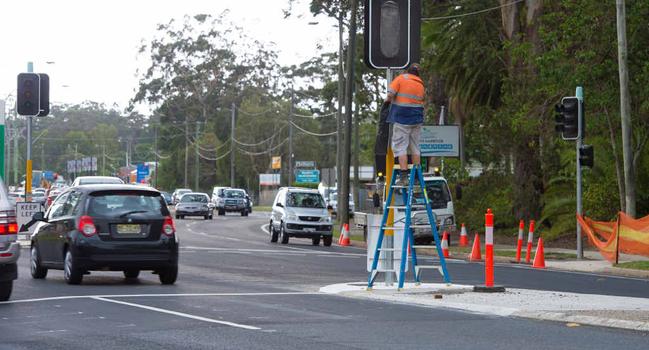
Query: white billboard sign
[440,141]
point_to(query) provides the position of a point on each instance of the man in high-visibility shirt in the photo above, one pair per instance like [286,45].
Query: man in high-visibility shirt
[406,95]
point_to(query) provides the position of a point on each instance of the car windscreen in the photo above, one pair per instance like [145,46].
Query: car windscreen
[437,192]
[193,198]
[233,194]
[116,203]
[305,200]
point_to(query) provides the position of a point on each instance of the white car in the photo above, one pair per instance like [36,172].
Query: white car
[301,213]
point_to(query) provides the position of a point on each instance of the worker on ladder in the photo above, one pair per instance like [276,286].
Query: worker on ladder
[406,95]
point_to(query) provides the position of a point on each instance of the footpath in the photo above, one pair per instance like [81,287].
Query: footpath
[573,309]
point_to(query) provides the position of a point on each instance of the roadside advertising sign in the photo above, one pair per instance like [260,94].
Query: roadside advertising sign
[305,164]
[440,141]
[142,172]
[276,163]
[24,213]
[269,179]
[307,176]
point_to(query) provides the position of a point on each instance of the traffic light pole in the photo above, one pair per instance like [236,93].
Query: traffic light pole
[28,166]
[579,93]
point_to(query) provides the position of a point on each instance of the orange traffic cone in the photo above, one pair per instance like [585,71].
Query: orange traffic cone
[539,257]
[345,236]
[445,245]
[475,252]
[340,238]
[464,239]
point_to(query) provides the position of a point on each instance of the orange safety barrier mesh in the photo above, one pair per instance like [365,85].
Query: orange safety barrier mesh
[626,235]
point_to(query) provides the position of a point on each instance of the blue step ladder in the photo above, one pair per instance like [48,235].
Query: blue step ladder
[408,236]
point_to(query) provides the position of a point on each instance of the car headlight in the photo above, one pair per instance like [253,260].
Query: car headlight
[291,216]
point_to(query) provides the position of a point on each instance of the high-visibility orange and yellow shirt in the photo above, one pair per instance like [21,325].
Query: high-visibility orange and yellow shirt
[408,103]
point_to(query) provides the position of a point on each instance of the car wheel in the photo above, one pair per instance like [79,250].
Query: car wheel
[283,234]
[273,233]
[131,273]
[177,217]
[168,275]
[5,290]
[71,272]
[211,216]
[221,212]
[206,217]
[38,271]
[326,240]
[315,240]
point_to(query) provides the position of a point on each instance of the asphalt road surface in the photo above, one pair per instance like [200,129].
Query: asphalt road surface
[236,290]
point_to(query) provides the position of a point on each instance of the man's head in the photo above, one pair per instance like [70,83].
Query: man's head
[413,68]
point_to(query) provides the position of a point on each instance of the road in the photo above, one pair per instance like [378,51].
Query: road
[236,290]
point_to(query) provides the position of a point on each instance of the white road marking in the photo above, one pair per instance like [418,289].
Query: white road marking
[66,297]
[53,331]
[300,250]
[180,314]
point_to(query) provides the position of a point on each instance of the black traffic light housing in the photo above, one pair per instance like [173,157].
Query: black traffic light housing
[567,118]
[586,156]
[33,92]
[392,33]
[28,91]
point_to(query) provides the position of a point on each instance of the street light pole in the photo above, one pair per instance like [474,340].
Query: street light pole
[28,167]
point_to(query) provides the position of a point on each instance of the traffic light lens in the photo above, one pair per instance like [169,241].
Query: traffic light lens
[28,94]
[28,84]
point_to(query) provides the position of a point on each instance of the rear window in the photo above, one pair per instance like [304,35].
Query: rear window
[193,198]
[234,194]
[115,203]
[100,181]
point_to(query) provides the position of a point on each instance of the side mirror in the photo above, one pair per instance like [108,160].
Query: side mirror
[210,205]
[280,205]
[39,216]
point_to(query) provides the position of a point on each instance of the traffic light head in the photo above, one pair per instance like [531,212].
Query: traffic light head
[586,156]
[28,91]
[567,118]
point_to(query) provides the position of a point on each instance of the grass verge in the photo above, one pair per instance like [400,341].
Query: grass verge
[636,265]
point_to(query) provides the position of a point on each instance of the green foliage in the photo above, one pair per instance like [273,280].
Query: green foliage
[305,185]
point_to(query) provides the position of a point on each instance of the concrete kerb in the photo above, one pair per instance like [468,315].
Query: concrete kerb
[587,309]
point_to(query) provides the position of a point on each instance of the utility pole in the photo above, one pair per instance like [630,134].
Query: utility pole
[357,151]
[157,165]
[290,139]
[75,159]
[15,167]
[343,201]
[2,141]
[103,159]
[339,116]
[625,110]
[197,161]
[186,151]
[232,127]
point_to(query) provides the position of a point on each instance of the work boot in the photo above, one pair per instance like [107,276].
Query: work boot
[402,179]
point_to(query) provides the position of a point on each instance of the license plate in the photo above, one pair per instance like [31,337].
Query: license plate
[128,228]
[308,229]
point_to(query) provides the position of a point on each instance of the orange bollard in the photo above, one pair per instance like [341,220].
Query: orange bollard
[530,241]
[475,251]
[489,286]
[445,245]
[539,256]
[464,239]
[345,236]
[519,244]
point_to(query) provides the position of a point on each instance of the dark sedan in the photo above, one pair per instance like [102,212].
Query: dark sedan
[105,227]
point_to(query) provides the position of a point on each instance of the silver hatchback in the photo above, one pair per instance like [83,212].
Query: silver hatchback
[301,213]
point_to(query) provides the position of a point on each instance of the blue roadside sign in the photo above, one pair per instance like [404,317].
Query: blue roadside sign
[307,176]
[142,172]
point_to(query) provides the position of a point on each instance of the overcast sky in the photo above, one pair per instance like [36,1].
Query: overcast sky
[93,44]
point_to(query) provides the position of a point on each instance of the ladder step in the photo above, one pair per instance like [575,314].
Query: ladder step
[404,207]
[385,270]
[389,249]
[424,247]
[402,227]
[427,267]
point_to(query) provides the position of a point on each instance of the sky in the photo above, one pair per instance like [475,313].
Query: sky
[89,47]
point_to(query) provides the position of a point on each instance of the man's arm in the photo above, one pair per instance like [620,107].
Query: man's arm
[389,97]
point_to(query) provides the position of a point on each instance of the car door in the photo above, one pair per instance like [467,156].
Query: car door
[65,224]
[47,235]
[278,210]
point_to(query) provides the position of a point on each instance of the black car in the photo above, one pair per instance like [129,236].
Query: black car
[105,227]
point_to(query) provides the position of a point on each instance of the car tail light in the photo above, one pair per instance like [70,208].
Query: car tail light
[86,226]
[168,227]
[8,225]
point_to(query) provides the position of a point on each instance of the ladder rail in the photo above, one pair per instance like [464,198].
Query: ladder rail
[379,241]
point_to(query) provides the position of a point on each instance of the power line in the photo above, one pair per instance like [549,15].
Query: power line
[472,13]
[214,159]
[314,116]
[262,152]
[313,133]
[260,142]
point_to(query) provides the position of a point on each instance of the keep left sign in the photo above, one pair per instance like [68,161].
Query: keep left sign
[24,213]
